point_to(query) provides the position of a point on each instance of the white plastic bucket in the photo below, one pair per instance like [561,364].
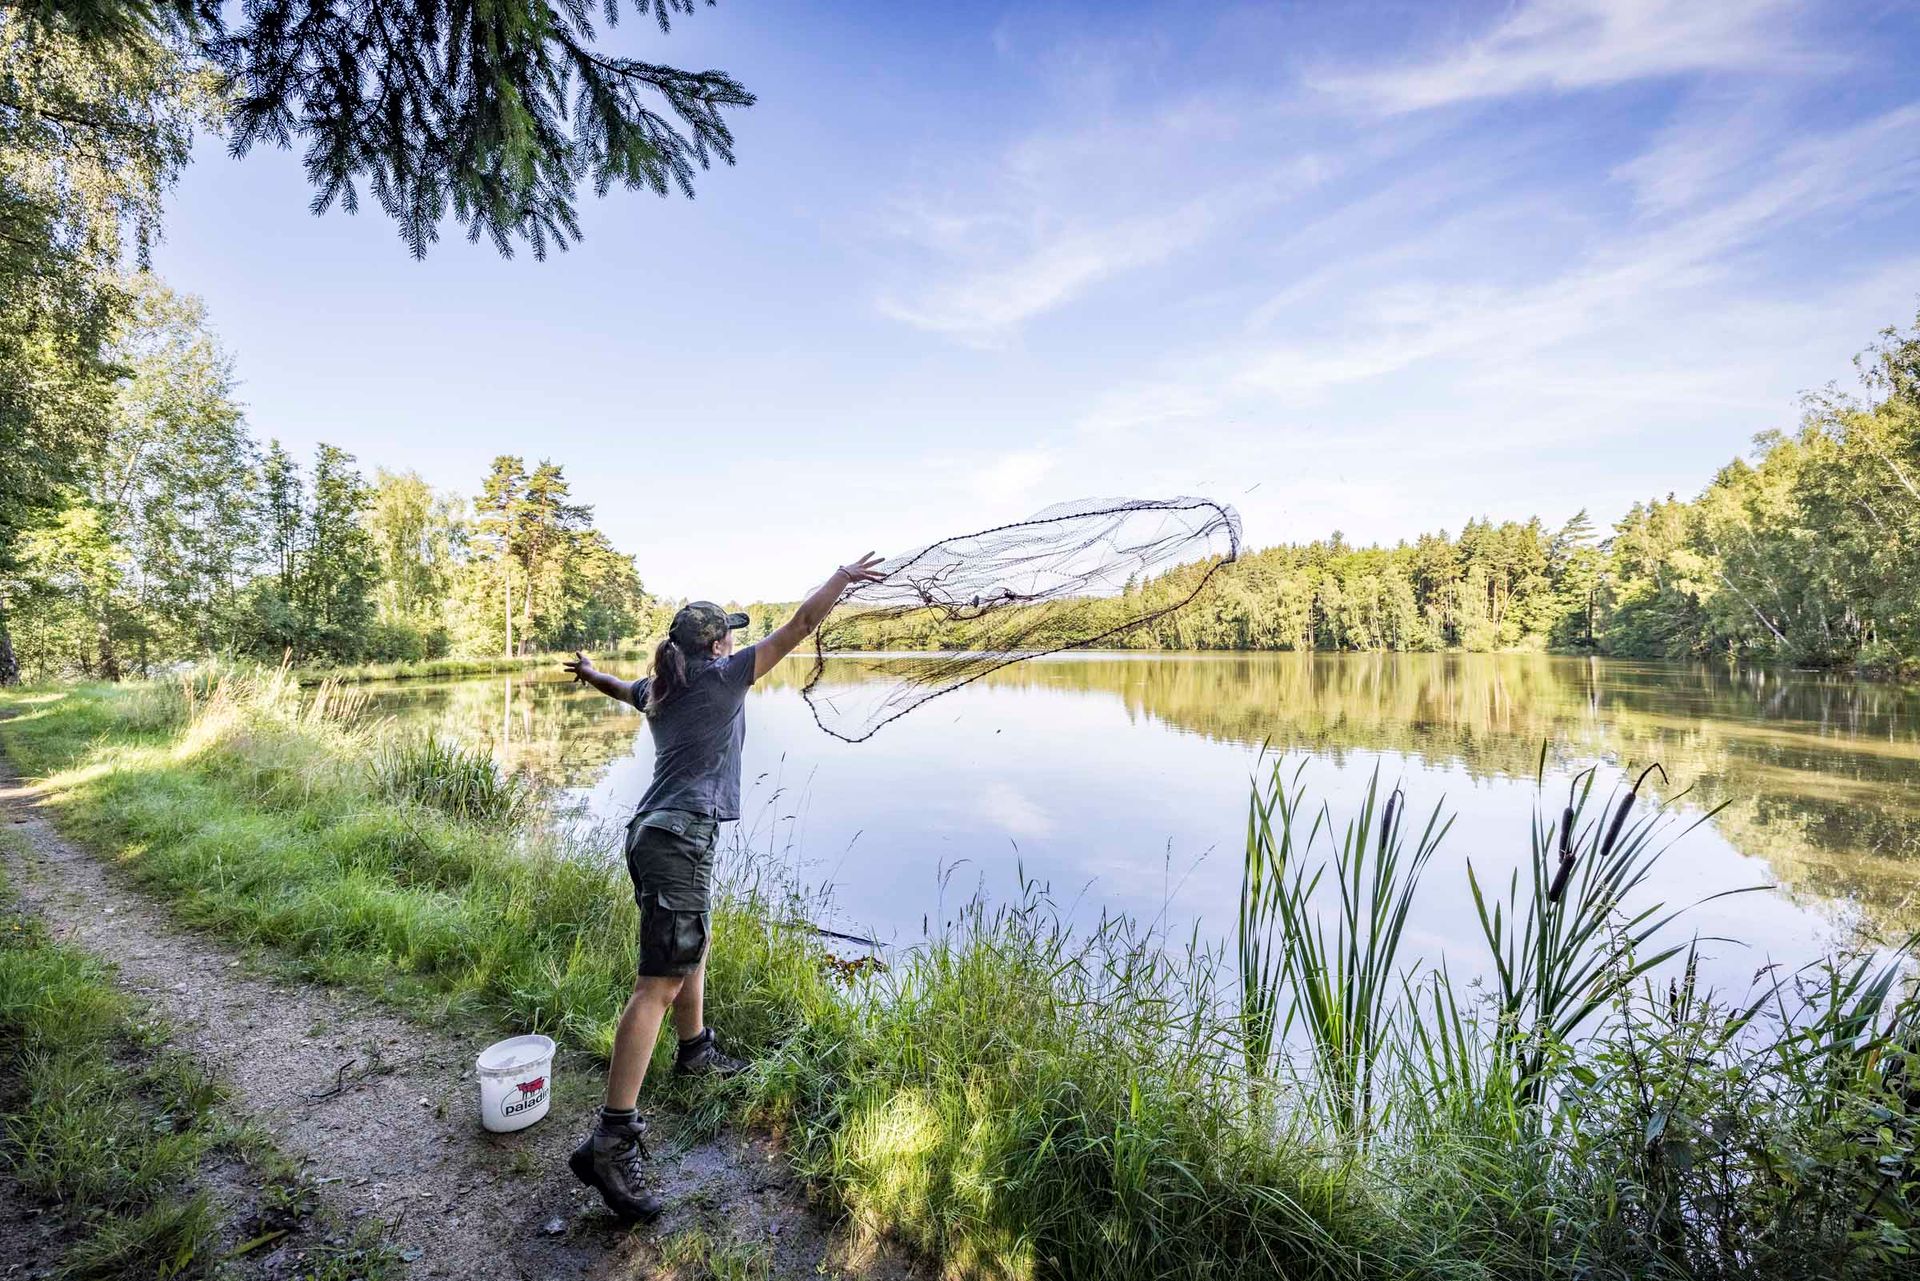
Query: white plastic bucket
[516,1082]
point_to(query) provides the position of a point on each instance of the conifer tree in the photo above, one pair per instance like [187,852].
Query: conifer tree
[492,113]
[341,565]
[282,500]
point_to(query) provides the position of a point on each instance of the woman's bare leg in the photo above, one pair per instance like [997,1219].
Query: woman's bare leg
[689,1007]
[634,1038]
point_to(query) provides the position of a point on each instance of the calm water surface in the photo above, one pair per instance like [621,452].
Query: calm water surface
[1120,781]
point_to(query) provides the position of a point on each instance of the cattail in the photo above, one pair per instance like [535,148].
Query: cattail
[1566,857]
[1386,822]
[1620,815]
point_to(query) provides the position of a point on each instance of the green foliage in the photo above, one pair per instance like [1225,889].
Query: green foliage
[184,540]
[1580,1121]
[316,601]
[693,1255]
[493,113]
[1341,993]
[149,553]
[419,538]
[455,780]
[532,545]
[92,133]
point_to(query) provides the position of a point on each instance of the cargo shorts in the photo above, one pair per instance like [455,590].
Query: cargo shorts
[670,858]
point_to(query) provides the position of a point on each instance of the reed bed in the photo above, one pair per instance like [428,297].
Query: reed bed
[1018,1099]
[460,782]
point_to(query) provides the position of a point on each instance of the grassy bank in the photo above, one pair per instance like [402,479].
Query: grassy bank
[115,1134]
[1019,1101]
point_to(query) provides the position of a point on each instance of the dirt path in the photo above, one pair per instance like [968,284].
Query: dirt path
[382,1109]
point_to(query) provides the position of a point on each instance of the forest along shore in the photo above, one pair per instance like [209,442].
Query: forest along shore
[453,668]
[1014,1100]
[1807,555]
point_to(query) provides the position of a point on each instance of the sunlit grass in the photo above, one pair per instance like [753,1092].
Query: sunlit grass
[456,780]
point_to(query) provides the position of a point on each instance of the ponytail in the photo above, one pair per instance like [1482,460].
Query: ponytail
[669,674]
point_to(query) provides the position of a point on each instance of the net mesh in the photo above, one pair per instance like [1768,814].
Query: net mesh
[1074,576]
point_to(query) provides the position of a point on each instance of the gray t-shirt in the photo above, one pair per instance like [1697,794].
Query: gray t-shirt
[697,736]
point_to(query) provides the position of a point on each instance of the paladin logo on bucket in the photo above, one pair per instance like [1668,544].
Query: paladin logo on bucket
[528,1094]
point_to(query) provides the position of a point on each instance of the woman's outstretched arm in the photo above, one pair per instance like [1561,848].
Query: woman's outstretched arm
[587,674]
[813,611]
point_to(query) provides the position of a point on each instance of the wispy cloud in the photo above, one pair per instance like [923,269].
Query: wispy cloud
[986,303]
[1011,478]
[1058,212]
[1462,303]
[1583,44]
[1631,280]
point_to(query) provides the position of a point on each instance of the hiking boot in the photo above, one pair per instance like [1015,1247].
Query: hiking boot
[702,1057]
[611,1161]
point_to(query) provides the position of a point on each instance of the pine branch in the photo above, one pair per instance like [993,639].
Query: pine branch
[442,107]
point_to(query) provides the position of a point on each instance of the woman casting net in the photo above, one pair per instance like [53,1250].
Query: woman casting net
[695,704]
[1073,576]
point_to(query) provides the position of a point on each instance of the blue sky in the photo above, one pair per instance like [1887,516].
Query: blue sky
[1370,267]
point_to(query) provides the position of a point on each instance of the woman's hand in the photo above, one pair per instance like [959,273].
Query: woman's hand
[587,674]
[862,570]
[768,653]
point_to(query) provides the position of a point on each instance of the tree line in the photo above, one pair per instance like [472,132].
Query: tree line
[1808,554]
[181,536]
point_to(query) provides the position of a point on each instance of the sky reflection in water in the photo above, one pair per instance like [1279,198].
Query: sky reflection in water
[1120,782]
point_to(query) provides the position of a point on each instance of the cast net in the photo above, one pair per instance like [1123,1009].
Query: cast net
[1075,576]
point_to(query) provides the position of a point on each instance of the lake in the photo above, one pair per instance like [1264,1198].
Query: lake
[1119,782]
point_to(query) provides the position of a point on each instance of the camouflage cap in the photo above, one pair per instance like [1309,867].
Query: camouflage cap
[700,623]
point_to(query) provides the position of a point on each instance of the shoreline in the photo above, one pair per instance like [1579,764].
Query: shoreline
[454,668]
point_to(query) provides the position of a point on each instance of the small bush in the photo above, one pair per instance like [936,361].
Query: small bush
[458,781]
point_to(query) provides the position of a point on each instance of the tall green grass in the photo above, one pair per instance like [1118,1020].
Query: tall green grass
[1017,1099]
[461,782]
[1341,990]
[1582,1117]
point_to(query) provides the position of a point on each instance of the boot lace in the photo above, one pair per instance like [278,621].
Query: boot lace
[630,1156]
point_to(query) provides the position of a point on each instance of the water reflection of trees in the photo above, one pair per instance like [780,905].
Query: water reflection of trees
[558,731]
[1817,774]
